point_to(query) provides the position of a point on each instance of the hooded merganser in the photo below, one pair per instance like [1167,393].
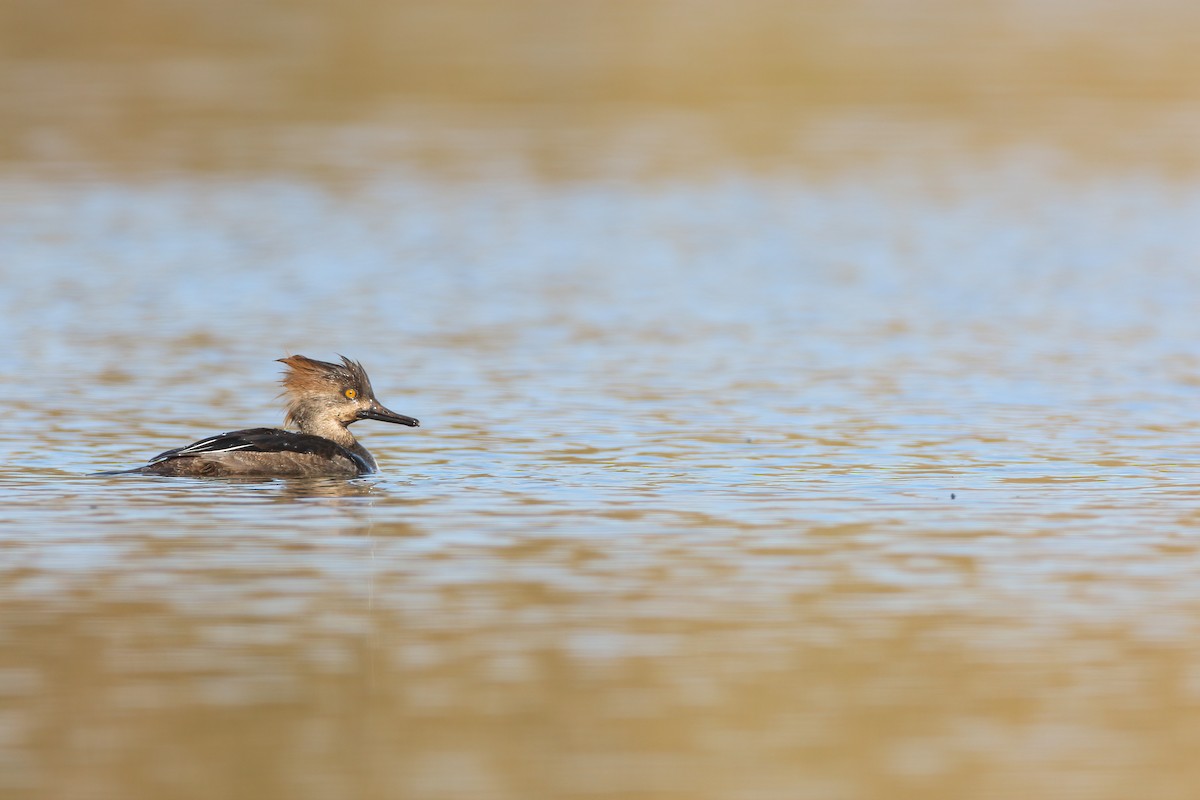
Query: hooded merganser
[323,398]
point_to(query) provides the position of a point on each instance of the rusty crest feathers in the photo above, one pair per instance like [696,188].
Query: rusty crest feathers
[307,375]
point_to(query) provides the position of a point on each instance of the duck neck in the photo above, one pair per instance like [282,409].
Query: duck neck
[317,422]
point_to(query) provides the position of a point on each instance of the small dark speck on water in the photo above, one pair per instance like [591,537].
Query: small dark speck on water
[952,495]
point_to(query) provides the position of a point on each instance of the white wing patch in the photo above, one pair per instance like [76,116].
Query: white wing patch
[210,445]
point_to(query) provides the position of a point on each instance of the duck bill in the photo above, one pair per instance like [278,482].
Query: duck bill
[378,412]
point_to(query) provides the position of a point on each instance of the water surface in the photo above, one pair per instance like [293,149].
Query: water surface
[874,485]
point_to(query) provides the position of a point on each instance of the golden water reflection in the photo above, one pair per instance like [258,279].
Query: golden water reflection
[560,667]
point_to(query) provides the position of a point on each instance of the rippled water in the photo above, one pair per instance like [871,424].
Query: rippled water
[874,485]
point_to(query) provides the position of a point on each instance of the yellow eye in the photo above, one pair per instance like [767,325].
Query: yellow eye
[351,393]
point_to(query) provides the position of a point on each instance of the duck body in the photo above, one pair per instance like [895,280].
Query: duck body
[270,452]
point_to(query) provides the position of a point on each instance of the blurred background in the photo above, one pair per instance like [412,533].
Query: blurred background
[808,397]
[686,86]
